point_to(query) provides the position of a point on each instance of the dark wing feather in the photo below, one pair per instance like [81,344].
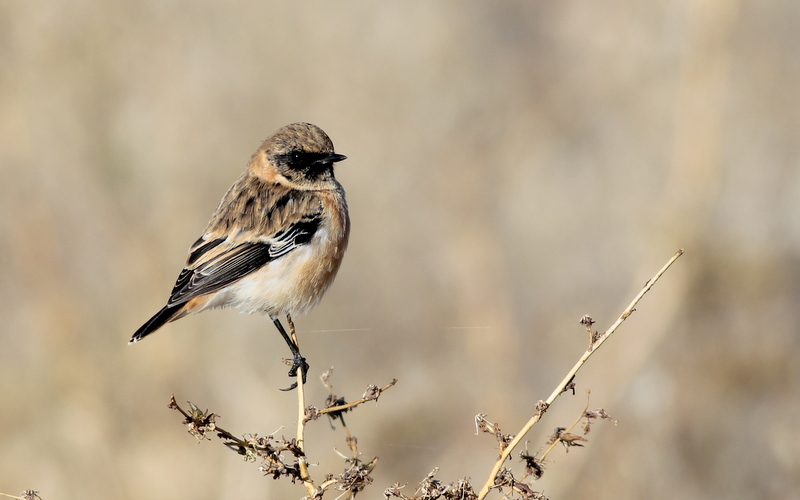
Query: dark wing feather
[215,264]
[221,270]
[202,247]
[297,234]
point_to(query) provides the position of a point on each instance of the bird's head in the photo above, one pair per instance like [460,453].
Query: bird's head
[302,154]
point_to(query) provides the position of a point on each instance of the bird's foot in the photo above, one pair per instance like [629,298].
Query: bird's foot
[298,363]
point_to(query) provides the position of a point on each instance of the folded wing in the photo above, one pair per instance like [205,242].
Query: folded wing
[216,263]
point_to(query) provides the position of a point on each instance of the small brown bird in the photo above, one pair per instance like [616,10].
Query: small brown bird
[275,242]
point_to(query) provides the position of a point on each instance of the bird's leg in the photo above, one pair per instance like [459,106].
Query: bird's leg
[292,332]
[298,361]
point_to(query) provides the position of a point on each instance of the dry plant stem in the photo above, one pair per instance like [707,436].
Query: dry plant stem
[219,430]
[542,406]
[27,494]
[301,420]
[346,406]
[568,429]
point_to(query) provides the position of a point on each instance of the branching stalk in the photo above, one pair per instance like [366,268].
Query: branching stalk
[542,406]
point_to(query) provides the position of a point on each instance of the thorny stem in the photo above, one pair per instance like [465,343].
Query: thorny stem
[562,386]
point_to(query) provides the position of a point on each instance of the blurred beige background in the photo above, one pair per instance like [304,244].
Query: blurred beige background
[512,166]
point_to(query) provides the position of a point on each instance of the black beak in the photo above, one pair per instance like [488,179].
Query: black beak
[334,157]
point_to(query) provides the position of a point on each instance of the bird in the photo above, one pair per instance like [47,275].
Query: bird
[275,242]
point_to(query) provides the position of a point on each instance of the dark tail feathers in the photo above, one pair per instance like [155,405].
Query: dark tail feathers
[161,317]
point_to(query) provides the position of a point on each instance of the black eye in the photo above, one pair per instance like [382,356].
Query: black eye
[294,159]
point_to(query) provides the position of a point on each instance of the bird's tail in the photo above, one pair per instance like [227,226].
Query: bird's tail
[165,315]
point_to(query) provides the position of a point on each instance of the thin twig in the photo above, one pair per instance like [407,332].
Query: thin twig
[568,429]
[347,406]
[542,406]
[219,431]
[27,495]
[301,420]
